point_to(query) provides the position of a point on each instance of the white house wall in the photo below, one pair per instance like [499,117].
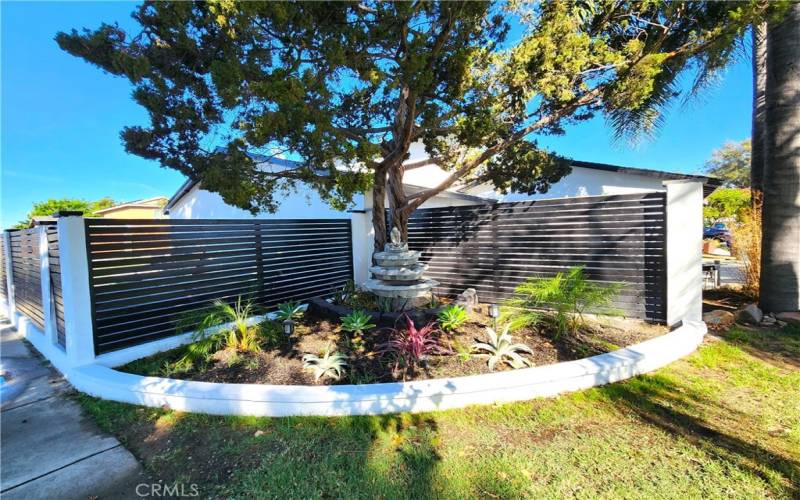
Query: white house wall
[585,182]
[304,204]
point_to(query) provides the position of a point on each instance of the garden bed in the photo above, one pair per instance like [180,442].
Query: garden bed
[282,363]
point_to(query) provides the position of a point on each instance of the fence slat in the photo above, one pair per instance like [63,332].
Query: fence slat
[146,276]
[493,248]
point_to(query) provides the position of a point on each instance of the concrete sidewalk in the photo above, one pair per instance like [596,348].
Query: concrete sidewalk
[48,448]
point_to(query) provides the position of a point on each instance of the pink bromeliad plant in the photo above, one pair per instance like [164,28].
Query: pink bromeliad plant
[412,345]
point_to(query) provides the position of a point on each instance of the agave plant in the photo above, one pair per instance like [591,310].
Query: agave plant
[331,364]
[452,317]
[357,322]
[501,348]
[289,310]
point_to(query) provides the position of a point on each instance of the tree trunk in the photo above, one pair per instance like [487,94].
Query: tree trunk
[379,207]
[780,260]
[757,133]
[397,198]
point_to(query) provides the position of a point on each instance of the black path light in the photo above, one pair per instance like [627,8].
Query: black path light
[494,312]
[288,327]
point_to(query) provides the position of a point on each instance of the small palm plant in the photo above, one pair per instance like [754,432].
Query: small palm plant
[451,317]
[502,349]
[289,310]
[331,364]
[559,301]
[208,337]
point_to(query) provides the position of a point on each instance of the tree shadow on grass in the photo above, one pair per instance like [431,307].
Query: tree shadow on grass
[659,402]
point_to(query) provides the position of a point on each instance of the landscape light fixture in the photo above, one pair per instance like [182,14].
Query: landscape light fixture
[494,312]
[288,327]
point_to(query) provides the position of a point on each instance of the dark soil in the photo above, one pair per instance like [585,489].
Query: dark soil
[366,364]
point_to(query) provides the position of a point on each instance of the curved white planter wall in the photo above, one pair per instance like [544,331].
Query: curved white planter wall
[417,396]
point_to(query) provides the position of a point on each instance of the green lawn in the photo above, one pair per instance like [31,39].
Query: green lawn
[724,422]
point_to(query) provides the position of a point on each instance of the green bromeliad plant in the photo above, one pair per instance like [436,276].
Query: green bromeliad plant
[558,302]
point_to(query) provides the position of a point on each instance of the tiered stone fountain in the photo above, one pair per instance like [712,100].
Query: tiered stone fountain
[398,275]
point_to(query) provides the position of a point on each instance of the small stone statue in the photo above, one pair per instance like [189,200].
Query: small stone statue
[394,236]
[395,245]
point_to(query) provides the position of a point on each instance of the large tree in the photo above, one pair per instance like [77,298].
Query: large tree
[780,255]
[53,205]
[731,164]
[335,84]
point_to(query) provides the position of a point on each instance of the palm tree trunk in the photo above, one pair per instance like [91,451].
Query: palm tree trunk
[757,134]
[780,261]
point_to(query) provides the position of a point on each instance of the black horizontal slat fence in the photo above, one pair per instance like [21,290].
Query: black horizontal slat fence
[493,248]
[147,275]
[54,261]
[26,274]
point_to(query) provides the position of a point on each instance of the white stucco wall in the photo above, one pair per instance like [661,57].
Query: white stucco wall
[585,182]
[304,204]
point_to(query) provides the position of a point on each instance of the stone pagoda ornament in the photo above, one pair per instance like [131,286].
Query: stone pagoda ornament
[398,274]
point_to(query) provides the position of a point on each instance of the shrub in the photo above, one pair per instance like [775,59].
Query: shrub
[501,349]
[746,235]
[357,322]
[331,364]
[559,301]
[452,317]
[208,337]
[289,310]
[411,345]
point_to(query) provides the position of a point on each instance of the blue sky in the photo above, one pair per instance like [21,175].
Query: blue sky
[61,119]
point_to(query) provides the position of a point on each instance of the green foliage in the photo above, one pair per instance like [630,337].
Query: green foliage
[356,83]
[502,349]
[385,304]
[289,310]
[451,317]
[221,326]
[357,322]
[272,333]
[331,364]
[726,203]
[731,164]
[355,298]
[51,206]
[559,301]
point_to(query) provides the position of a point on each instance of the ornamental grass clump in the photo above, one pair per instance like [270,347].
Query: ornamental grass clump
[451,317]
[502,349]
[558,302]
[331,364]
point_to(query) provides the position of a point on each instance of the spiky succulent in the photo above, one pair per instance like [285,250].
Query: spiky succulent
[357,322]
[331,364]
[451,317]
[501,348]
[289,310]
